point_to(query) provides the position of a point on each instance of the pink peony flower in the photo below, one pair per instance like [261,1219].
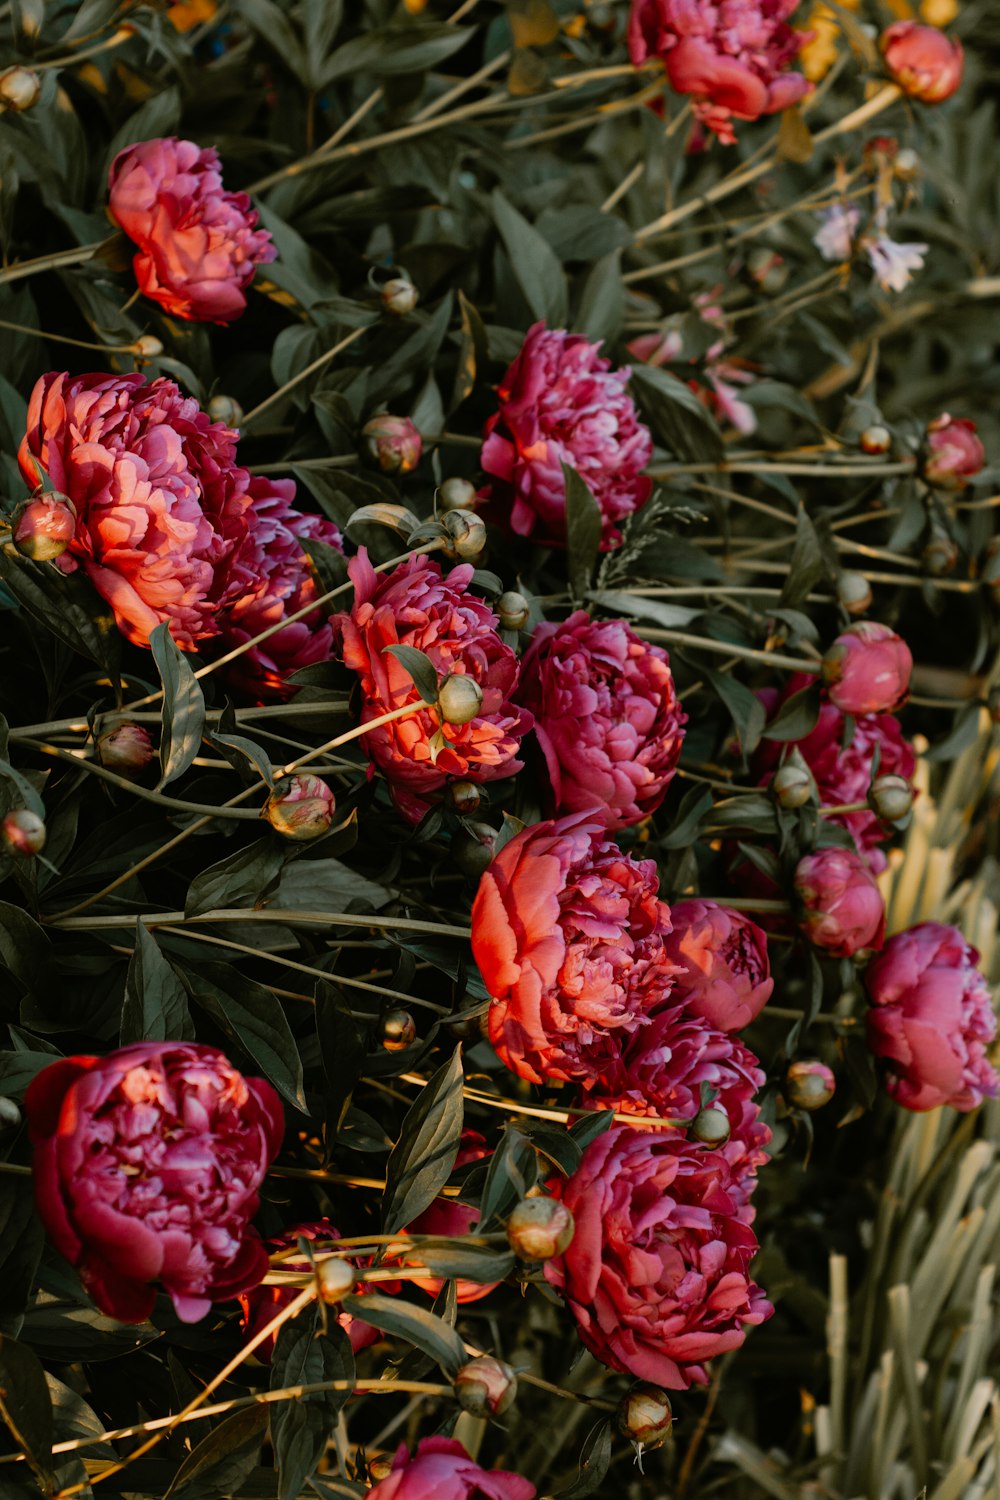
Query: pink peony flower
[561,403]
[731,55]
[842,906]
[925,63]
[723,970]
[198,245]
[163,523]
[147,1165]
[932,1019]
[954,453]
[568,934]
[606,715]
[416,606]
[447,1218]
[867,669]
[656,1272]
[285,584]
[441,1469]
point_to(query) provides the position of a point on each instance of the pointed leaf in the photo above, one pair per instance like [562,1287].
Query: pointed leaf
[422,1159]
[183,715]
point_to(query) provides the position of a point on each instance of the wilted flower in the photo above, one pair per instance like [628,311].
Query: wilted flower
[838,225]
[842,906]
[893,263]
[723,973]
[925,63]
[954,453]
[867,669]
[440,1469]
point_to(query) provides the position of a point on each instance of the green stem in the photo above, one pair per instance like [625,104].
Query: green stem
[728,648]
[317,364]
[291,918]
[53,262]
[175,804]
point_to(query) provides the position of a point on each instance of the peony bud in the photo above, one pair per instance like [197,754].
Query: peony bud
[486,1387]
[300,808]
[44,526]
[867,670]
[645,1416]
[473,848]
[393,443]
[513,610]
[127,749]
[399,1030]
[768,269]
[459,698]
[875,440]
[467,533]
[907,165]
[539,1228]
[842,907]
[940,556]
[792,784]
[464,797]
[456,494]
[19,89]
[381,1468]
[711,1126]
[924,62]
[890,798]
[399,296]
[809,1084]
[854,592]
[10,1115]
[225,409]
[147,347]
[335,1279]
[954,454]
[23,833]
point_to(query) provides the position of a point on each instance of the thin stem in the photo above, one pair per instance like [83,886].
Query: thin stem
[175,804]
[317,364]
[292,918]
[437,105]
[52,262]
[13,1169]
[62,338]
[728,648]
[754,466]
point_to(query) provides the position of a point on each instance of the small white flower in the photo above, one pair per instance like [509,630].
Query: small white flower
[894,263]
[835,237]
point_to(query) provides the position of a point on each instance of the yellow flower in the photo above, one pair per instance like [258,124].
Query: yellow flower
[938,12]
[819,55]
[185,15]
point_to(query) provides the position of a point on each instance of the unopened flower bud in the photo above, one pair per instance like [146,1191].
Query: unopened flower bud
[907,165]
[399,1030]
[300,808]
[44,526]
[464,797]
[513,610]
[456,494]
[875,439]
[399,296]
[467,533]
[809,1084]
[335,1279]
[486,1387]
[381,1468]
[890,798]
[867,669]
[539,1228]
[393,443]
[225,409]
[19,89]
[940,556]
[645,1416]
[854,592]
[792,784]
[23,833]
[147,346]
[10,1115]
[711,1126]
[473,847]
[924,62]
[126,749]
[769,269]
[459,698]
[954,454]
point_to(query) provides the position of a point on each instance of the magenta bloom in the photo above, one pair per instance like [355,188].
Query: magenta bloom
[731,55]
[932,1019]
[147,1166]
[723,970]
[925,63]
[415,605]
[560,402]
[442,1470]
[162,528]
[606,715]
[656,1272]
[568,933]
[867,669]
[842,906]
[198,245]
[285,584]
[954,452]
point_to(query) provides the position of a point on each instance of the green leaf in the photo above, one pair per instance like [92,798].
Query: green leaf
[753,813]
[302,1428]
[694,807]
[454,1258]
[807,566]
[415,1324]
[512,1171]
[473,352]
[223,1458]
[397,49]
[589,1127]
[155,1008]
[26,794]
[341,1048]
[183,715]
[796,717]
[244,755]
[271,24]
[66,604]
[252,1018]
[676,415]
[240,879]
[747,711]
[157,117]
[595,1461]
[24,946]
[420,350]
[22,1240]
[325,884]
[26,1405]
[602,304]
[583,531]
[421,669]
[535,264]
[422,1159]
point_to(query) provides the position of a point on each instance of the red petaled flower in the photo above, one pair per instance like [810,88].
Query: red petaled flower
[656,1274]
[147,1166]
[416,606]
[561,403]
[723,969]
[568,933]
[606,715]
[198,245]
[440,1469]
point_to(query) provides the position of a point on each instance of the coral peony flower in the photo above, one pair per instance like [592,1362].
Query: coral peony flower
[440,1469]
[894,263]
[838,225]
[867,669]
[147,1165]
[656,1273]
[416,606]
[954,453]
[731,55]
[447,1218]
[842,906]
[198,245]
[284,585]
[569,935]
[606,715]
[162,529]
[723,970]
[932,1019]
[561,403]
[925,63]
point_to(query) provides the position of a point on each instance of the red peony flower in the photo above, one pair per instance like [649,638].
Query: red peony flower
[441,1469]
[198,245]
[560,402]
[954,452]
[731,55]
[147,1166]
[932,1019]
[569,936]
[925,63]
[606,716]
[416,606]
[446,1218]
[723,970]
[163,523]
[842,906]
[656,1272]
[867,669]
